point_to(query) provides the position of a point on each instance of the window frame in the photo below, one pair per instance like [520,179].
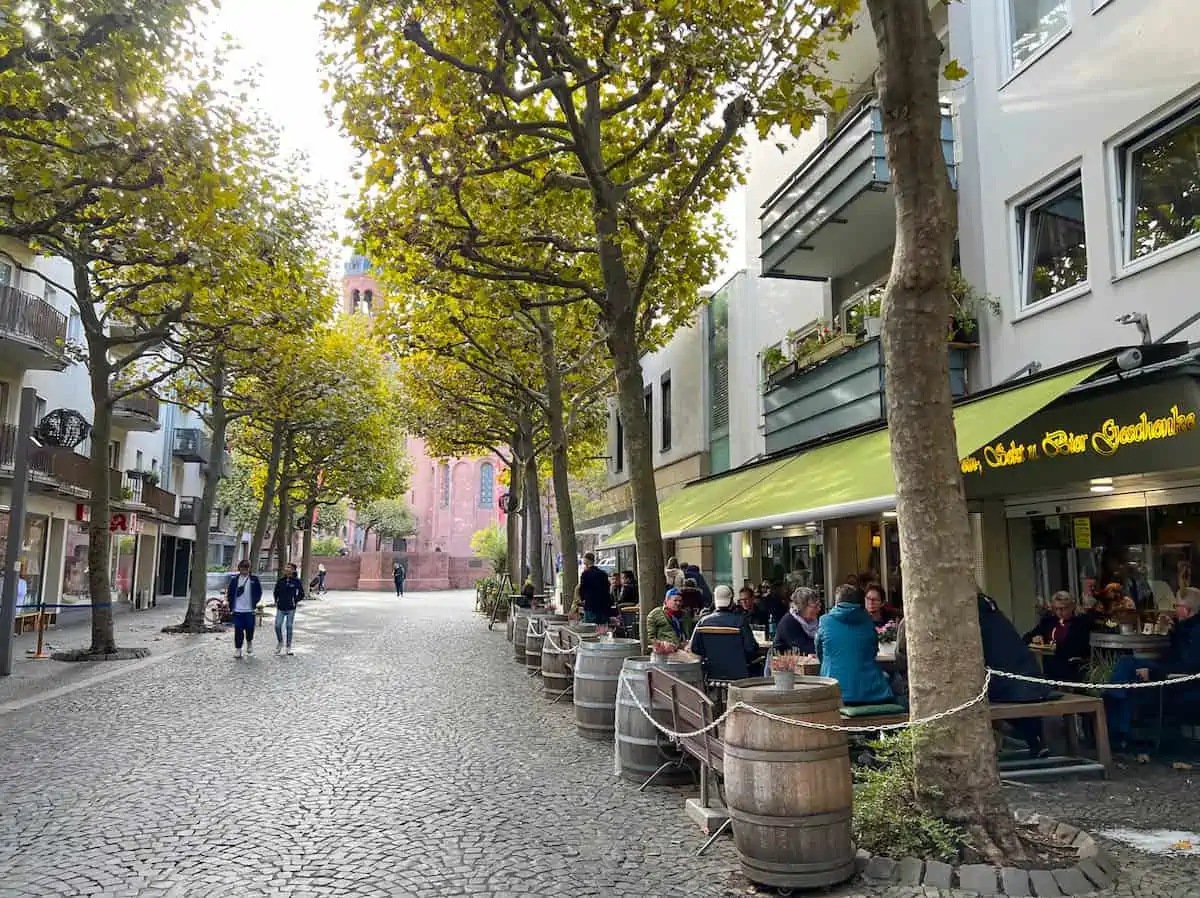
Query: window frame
[487,488]
[664,389]
[619,444]
[1176,119]
[1039,197]
[1008,32]
[857,300]
[13,271]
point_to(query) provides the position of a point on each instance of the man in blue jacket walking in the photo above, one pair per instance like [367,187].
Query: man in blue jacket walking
[289,592]
[244,593]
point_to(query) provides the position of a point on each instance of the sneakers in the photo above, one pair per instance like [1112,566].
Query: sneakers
[289,650]
[249,648]
[237,653]
[279,648]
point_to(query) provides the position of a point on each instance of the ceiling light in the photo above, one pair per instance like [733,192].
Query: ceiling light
[776,526]
[1180,523]
[1101,481]
[1102,488]
[890,514]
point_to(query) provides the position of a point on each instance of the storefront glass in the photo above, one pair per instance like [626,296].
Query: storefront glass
[121,572]
[794,561]
[75,565]
[31,558]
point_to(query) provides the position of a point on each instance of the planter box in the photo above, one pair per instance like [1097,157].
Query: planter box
[779,375]
[826,351]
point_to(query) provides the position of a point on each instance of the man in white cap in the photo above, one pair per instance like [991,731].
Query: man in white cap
[725,646]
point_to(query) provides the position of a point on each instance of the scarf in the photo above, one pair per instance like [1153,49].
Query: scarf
[809,627]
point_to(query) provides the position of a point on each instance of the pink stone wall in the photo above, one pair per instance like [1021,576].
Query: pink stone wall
[443,526]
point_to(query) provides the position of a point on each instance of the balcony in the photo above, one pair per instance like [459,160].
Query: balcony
[842,393]
[52,469]
[189,510]
[138,411]
[137,490]
[835,212]
[33,334]
[192,444]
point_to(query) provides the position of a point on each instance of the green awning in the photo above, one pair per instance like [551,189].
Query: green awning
[855,476]
[688,505]
[841,479]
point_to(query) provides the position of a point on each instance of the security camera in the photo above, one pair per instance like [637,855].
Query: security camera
[1130,359]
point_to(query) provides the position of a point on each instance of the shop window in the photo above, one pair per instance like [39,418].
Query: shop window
[1053,244]
[1161,175]
[1032,24]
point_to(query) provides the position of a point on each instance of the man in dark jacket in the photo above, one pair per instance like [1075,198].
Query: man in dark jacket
[723,644]
[594,593]
[289,592]
[1182,657]
[243,594]
[692,572]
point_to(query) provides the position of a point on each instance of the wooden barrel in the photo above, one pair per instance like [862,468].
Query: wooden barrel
[597,670]
[558,650]
[520,631]
[533,646]
[584,629]
[510,622]
[789,788]
[638,741]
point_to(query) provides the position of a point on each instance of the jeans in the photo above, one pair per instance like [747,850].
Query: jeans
[399,587]
[281,618]
[243,628]
[1119,703]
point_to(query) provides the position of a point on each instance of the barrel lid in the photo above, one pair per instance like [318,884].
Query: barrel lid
[761,691]
[618,646]
[643,662]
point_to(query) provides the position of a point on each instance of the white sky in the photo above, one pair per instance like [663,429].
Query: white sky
[283,40]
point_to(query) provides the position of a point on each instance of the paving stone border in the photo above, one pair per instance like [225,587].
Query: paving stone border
[1095,870]
[87,655]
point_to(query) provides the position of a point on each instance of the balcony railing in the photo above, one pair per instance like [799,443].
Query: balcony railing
[835,212]
[33,331]
[137,411]
[136,489]
[52,466]
[189,510]
[192,444]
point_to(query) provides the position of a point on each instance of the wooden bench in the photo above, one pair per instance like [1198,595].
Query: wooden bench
[691,710]
[1072,705]
[25,622]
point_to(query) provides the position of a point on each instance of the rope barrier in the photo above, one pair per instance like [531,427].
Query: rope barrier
[1068,684]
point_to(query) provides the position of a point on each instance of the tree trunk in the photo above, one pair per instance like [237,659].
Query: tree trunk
[533,524]
[283,526]
[99,533]
[559,461]
[268,503]
[956,773]
[631,405]
[310,509]
[512,521]
[217,420]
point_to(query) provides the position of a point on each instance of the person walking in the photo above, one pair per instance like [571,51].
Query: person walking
[289,592]
[321,578]
[243,594]
[595,592]
[398,574]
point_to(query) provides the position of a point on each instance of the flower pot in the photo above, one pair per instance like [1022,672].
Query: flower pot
[785,680]
[656,658]
[826,351]
[873,326]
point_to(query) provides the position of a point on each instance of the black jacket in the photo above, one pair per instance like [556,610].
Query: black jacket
[594,592]
[289,592]
[725,645]
[1183,656]
[790,637]
[255,591]
[1070,653]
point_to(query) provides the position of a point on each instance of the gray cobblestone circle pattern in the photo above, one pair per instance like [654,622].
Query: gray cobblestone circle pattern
[399,753]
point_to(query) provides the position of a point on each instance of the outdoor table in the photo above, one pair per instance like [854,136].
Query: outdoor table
[1137,644]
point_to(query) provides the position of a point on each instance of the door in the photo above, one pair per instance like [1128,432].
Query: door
[166,566]
[183,557]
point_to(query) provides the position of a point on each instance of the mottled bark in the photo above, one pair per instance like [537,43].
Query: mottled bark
[956,769]
[268,503]
[512,521]
[310,510]
[104,639]
[559,461]
[217,421]
[283,526]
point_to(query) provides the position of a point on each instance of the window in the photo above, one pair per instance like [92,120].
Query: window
[137,465]
[648,402]
[75,328]
[114,454]
[368,298]
[619,449]
[487,485]
[154,465]
[1052,243]
[862,306]
[666,412]
[39,410]
[49,294]
[444,475]
[7,271]
[1032,25]
[1162,186]
[3,403]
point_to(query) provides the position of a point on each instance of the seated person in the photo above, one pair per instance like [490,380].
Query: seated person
[725,647]
[694,603]
[692,572]
[1003,649]
[847,644]
[1182,657]
[797,631]
[1070,634]
[527,593]
[614,588]
[751,610]
[665,623]
[873,601]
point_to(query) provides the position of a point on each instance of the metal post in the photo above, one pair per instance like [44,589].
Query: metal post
[16,528]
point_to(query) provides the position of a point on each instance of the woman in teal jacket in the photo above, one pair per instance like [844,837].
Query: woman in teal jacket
[847,646]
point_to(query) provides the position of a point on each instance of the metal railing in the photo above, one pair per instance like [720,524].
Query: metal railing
[189,510]
[32,318]
[139,404]
[192,444]
[65,466]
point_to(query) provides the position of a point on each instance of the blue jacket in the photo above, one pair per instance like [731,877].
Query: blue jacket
[692,572]
[255,591]
[725,644]
[289,592]
[847,645]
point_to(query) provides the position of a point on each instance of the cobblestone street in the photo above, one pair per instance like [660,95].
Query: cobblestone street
[400,752]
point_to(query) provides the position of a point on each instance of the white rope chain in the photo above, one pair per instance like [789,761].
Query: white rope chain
[876,728]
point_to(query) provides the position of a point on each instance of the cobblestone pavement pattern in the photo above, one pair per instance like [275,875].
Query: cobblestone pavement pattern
[401,752]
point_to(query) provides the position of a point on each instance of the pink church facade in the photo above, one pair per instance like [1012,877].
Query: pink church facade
[453,498]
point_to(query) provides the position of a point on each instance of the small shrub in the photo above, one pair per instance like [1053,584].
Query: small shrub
[887,818]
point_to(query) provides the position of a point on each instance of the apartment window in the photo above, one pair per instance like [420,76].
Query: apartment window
[619,449]
[1162,186]
[75,328]
[487,484]
[114,454]
[1053,243]
[154,465]
[666,412]
[3,402]
[1032,25]
[39,410]
[137,465]
[7,271]
[648,401]
[444,478]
